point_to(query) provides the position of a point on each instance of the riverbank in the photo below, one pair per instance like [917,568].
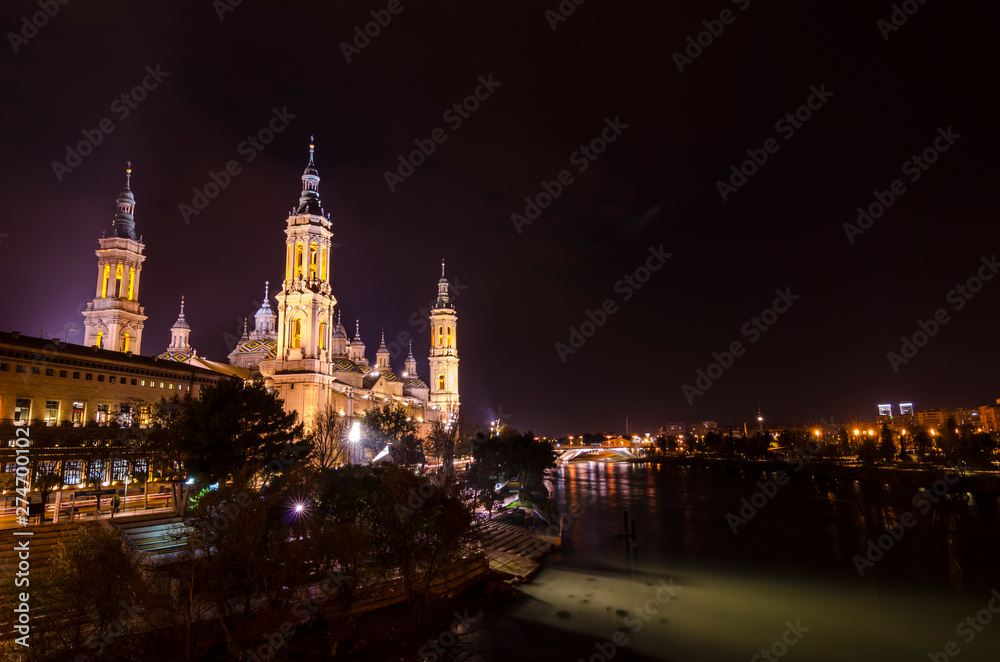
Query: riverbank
[904,476]
[402,632]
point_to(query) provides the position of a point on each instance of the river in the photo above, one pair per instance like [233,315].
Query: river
[785,585]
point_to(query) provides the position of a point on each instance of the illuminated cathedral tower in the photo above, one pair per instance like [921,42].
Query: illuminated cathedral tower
[444,350]
[300,370]
[114,319]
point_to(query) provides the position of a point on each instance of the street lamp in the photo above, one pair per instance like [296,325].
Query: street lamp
[354,436]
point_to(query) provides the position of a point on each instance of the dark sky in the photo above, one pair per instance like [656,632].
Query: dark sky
[655,185]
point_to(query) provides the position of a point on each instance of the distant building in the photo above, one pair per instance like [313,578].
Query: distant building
[989,417]
[699,429]
[936,418]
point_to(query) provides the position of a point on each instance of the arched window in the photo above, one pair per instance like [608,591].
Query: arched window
[440,382]
[126,341]
[107,277]
[298,261]
[322,333]
[440,335]
[131,283]
[449,336]
[99,340]
[118,281]
[296,332]
[313,261]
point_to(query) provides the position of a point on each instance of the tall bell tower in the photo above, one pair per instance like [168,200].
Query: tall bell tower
[444,350]
[306,301]
[300,372]
[114,319]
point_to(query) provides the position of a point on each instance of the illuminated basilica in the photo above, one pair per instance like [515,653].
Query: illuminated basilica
[299,346]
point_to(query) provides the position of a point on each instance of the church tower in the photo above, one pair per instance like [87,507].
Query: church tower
[382,356]
[444,350]
[264,320]
[180,334]
[114,319]
[306,301]
[300,372]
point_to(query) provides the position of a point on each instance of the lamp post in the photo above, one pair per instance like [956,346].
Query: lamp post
[354,436]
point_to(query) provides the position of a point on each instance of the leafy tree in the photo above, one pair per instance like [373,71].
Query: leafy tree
[921,440]
[486,470]
[250,558]
[90,581]
[525,458]
[887,447]
[237,425]
[390,425]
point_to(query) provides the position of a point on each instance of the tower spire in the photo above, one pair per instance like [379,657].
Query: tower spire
[124,223]
[309,200]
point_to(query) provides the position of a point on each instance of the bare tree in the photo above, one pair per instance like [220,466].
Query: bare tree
[441,442]
[328,432]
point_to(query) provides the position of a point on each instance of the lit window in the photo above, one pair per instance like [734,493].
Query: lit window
[22,410]
[101,416]
[125,415]
[77,415]
[51,412]
[73,472]
[142,382]
[104,287]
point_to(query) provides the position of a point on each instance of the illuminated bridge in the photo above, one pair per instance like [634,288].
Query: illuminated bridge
[573,453]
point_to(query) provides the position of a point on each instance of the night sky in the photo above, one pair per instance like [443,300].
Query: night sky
[882,102]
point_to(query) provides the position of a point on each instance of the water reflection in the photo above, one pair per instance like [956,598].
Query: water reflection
[794,561]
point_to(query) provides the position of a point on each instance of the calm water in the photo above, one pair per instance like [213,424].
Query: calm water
[788,573]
